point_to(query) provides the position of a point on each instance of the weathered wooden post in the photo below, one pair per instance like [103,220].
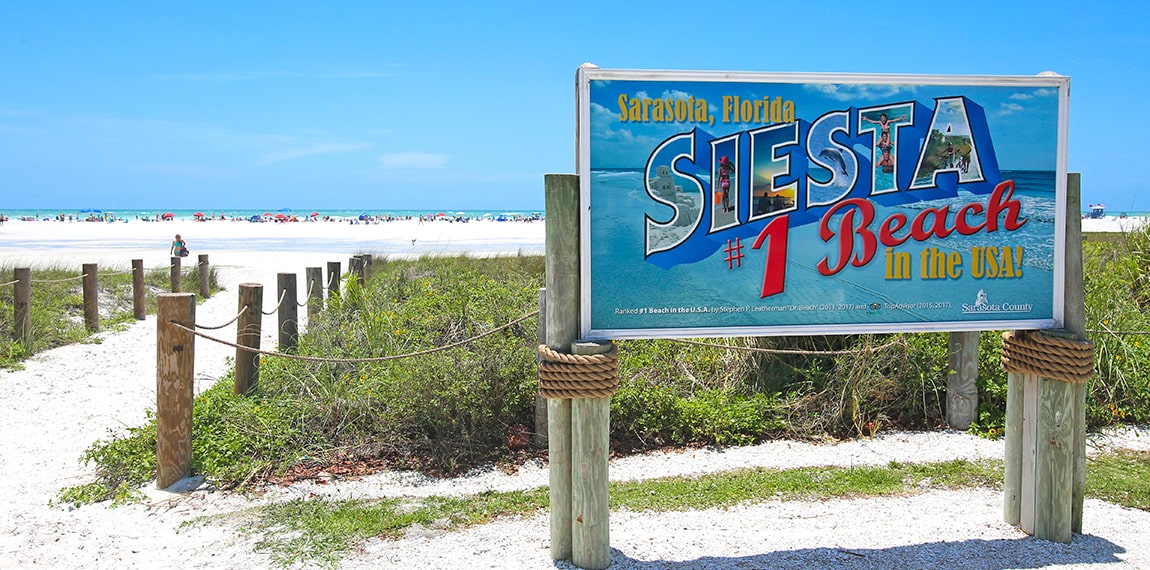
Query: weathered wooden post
[1075,325]
[540,401]
[578,431]
[175,269]
[175,370]
[562,321]
[355,268]
[288,314]
[22,305]
[333,272]
[962,380]
[1013,450]
[577,378]
[314,276]
[138,309]
[248,331]
[368,263]
[590,451]
[205,276]
[91,288]
[1045,430]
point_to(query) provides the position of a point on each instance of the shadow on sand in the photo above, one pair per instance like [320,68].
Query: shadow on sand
[973,554]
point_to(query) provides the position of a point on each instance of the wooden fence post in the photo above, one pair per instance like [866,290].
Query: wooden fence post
[368,265]
[22,305]
[288,314]
[175,274]
[205,277]
[333,274]
[138,309]
[248,331]
[962,380]
[175,370]
[91,297]
[562,281]
[314,276]
[355,268]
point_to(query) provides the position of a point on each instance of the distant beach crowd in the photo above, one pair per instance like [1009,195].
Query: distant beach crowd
[280,218]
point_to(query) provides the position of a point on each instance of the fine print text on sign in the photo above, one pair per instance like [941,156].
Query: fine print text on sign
[757,204]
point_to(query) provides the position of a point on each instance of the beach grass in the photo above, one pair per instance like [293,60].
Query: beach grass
[449,411]
[312,531]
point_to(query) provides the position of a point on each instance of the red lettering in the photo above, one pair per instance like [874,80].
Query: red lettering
[893,223]
[846,234]
[960,224]
[775,273]
[1003,200]
[918,228]
[858,214]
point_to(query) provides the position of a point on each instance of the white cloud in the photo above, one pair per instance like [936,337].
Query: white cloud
[311,150]
[401,160]
[850,92]
[1009,109]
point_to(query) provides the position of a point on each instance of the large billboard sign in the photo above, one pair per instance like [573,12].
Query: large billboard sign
[729,204]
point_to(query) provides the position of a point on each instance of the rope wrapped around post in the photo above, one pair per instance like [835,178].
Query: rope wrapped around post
[1035,352]
[566,376]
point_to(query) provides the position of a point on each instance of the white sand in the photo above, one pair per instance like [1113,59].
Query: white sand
[240,243]
[67,398]
[1112,224]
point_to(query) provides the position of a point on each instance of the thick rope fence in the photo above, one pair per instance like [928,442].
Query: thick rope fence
[343,360]
[280,303]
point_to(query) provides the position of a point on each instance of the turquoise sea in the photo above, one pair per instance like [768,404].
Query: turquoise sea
[136,214]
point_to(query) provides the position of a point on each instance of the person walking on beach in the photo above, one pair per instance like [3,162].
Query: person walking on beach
[179,247]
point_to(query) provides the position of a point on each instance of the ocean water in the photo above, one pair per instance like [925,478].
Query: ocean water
[628,292]
[138,214]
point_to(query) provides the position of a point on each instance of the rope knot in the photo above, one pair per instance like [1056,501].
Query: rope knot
[565,376]
[1035,352]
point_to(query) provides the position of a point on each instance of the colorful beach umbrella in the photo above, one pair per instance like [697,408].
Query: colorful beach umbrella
[168,215]
[314,214]
[198,214]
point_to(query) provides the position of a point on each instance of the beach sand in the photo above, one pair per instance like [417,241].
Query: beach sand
[115,244]
[67,398]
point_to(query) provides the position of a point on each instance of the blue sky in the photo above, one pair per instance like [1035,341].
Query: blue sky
[443,105]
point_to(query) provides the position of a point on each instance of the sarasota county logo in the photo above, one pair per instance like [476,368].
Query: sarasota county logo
[982,304]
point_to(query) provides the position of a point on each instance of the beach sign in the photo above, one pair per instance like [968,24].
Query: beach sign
[752,204]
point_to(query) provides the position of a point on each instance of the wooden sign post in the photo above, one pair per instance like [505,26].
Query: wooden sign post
[1045,466]
[578,429]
